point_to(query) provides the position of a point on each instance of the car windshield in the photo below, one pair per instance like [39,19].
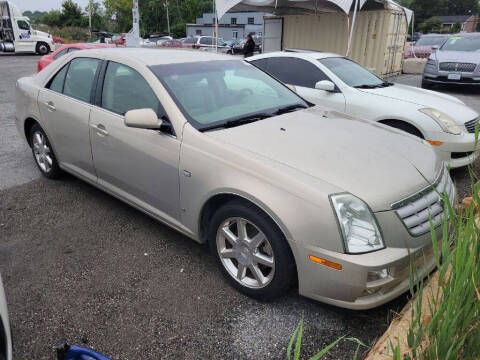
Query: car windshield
[351,73]
[216,93]
[430,40]
[462,43]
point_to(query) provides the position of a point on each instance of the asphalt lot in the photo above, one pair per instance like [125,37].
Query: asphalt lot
[80,265]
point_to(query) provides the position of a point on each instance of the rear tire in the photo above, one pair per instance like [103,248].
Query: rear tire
[42,48]
[256,260]
[43,153]
[401,125]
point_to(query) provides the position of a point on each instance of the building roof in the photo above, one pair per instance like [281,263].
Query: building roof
[454,18]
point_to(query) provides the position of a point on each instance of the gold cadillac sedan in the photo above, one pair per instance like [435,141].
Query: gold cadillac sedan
[285,193]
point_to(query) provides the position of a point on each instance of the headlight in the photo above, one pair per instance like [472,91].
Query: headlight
[358,225]
[446,122]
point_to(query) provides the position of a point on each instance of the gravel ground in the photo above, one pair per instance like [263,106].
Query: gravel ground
[80,265]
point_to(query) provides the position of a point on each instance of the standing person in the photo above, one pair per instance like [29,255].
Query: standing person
[249,46]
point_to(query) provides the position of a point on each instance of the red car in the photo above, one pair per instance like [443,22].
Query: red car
[58,40]
[47,59]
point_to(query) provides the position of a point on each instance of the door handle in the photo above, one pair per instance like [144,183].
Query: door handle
[101,130]
[50,106]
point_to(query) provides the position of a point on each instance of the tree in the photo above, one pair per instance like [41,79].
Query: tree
[426,9]
[432,24]
[52,18]
[121,10]
[462,7]
[99,21]
[456,28]
[34,17]
[71,14]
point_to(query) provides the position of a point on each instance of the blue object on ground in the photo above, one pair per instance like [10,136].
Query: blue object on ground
[75,352]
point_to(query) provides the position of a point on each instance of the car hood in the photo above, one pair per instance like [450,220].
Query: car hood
[378,164]
[456,56]
[449,105]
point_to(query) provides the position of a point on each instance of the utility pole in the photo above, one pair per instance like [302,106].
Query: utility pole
[168,19]
[90,18]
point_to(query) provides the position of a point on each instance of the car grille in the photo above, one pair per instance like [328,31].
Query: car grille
[456,66]
[470,125]
[416,210]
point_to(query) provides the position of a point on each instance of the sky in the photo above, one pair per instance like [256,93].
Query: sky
[44,5]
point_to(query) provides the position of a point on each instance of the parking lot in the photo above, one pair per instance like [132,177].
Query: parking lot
[82,266]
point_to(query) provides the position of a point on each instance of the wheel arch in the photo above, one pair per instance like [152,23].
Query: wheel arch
[391,122]
[215,201]
[27,126]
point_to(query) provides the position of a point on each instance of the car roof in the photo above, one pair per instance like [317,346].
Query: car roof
[435,34]
[465,34]
[152,57]
[298,53]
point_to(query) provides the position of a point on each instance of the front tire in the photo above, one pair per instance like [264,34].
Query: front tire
[43,153]
[42,48]
[251,251]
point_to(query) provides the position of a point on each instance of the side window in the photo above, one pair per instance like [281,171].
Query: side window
[56,84]
[72,49]
[61,53]
[125,89]
[23,25]
[206,41]
[292,71]
[80,78]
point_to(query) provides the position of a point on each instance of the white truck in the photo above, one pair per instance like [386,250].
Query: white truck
[16,34]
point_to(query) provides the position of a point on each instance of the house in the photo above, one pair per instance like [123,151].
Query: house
[468,22]
[232,26]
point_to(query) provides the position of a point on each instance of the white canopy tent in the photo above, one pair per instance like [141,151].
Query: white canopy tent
[284,7]
[306,6]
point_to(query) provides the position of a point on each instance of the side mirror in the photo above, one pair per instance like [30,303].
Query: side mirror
[325,85]
[435,47]
[142,119]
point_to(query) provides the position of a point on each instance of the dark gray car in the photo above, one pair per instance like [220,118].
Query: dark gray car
[455,62]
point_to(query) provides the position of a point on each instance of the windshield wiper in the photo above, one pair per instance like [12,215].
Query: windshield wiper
[368,86]
[386,84]
[238,121]
[289,108]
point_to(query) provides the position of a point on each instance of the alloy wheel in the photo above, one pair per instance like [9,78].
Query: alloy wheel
[245,252]
[42,151]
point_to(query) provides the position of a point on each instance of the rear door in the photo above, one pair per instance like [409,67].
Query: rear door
[65,106]
[139,165]
[303,75]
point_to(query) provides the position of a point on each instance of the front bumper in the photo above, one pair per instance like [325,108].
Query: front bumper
[441,77]
[456,150]
[353,286]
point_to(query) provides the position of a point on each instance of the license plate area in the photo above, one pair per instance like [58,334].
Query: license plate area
[454,76]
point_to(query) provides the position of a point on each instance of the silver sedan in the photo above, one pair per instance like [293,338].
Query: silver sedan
[284,192]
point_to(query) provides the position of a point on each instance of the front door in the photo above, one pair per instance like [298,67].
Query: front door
[65,106]
[24,40]
[139,165]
